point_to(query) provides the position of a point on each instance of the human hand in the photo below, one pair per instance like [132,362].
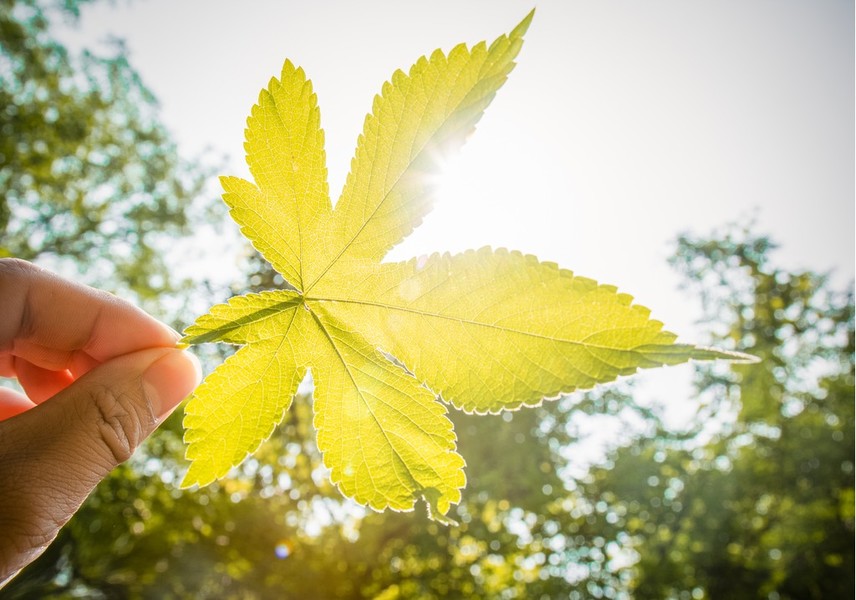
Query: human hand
[99,375]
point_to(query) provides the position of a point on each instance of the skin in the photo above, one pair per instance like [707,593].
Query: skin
[99,376]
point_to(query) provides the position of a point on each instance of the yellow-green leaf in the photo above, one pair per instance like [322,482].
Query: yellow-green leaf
[416,120]
[387,344]
[491,330]
[384,435]
[238,405]
[285,153]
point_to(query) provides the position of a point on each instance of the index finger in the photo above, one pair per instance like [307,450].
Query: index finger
[49,321]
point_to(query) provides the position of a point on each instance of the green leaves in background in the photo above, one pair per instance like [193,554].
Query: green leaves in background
[91,182]
[388,343]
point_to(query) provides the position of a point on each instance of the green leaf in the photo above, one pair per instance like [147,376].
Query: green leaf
[285,153]
[388,343]
[418,118]
[492,330]
[238,405]
[383,435]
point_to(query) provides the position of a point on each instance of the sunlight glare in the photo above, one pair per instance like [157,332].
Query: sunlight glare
[471,203]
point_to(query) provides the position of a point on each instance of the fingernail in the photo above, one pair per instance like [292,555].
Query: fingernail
[170,379]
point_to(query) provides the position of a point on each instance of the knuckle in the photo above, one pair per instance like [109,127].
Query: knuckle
[16,267]
[122,422]
[15,275]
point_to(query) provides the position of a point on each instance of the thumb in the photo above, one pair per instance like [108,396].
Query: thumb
[53,456]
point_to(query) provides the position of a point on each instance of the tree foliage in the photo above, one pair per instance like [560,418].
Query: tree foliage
[764,509]
[90,180]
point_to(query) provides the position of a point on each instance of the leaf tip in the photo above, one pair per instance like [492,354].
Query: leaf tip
[673,354]
[708,353]
[433,500]
[523,26]
[188,481]
[198,474]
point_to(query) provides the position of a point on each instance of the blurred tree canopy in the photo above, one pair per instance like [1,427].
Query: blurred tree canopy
[753,500]
[761,504]
[90,180]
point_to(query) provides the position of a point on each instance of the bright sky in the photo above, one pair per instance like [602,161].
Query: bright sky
[624,123]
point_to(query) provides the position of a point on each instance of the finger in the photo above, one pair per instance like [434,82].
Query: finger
[49,321]
[41,384]
[13,403]
[54,454]
[6,369]
[38,383]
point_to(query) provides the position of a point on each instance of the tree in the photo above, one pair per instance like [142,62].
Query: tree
[90,181]
[764,508]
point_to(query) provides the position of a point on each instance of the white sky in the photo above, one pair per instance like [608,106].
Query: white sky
[623,124]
